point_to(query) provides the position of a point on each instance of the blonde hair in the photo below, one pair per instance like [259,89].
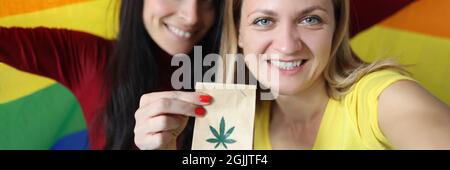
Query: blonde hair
[343,69]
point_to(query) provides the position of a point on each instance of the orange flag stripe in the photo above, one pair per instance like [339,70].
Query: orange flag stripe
[423,16]
[15,7]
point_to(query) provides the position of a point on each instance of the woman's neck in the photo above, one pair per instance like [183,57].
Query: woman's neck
[304,106]
[163,58]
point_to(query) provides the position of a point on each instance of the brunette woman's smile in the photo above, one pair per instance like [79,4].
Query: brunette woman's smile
[179,32]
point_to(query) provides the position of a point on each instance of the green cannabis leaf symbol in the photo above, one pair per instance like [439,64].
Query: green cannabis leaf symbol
[221,138]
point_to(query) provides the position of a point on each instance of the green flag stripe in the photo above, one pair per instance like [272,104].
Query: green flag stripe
[38,120]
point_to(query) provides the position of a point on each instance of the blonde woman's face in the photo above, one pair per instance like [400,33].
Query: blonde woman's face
[292,37]
[177,25]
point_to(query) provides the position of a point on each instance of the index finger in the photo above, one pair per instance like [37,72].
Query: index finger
[196,98]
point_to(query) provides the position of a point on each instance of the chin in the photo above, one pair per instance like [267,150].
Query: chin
[288,88]
[174,51]
[289,91]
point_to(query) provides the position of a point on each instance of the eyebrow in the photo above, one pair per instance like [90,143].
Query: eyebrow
[303,12]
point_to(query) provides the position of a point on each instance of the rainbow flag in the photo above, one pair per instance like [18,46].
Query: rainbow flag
[417,34]
[39,112]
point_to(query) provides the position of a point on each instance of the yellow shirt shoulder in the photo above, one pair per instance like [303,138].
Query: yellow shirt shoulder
[350,123]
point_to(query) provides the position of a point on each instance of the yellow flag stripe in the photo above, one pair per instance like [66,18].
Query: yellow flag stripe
[15,84]
[429,55]
[96,17]
[14,7]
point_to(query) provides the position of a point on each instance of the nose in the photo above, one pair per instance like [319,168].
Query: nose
[189,12]
[287,40]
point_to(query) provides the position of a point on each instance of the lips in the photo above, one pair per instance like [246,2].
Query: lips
[179,32]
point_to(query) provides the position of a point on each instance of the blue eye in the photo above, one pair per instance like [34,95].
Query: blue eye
[311,20]
[263,22]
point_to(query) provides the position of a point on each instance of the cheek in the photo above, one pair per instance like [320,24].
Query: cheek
[208,18]
[155,9]
[320,47]
[252,64]
[255,42]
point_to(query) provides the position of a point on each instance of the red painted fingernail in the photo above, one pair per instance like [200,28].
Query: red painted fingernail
[200,111]
[205,99]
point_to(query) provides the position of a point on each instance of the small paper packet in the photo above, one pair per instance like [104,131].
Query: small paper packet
[229,120]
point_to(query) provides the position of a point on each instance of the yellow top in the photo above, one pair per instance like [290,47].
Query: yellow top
[347,124]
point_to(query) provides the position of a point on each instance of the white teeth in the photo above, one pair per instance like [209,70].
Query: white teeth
[286,65]
[179,32]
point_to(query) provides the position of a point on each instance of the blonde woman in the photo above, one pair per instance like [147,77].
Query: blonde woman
[328,98]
